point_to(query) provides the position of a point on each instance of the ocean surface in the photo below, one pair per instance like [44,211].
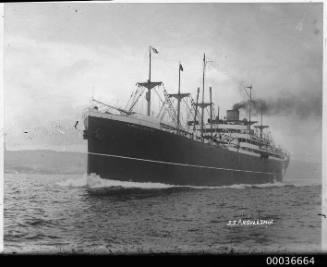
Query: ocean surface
[56,214]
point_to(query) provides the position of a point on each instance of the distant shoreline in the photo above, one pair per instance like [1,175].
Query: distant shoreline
[45,162]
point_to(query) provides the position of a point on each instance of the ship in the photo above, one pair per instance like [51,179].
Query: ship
[206,150]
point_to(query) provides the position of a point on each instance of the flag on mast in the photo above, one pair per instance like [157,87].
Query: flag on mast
[154,50]
[181,67]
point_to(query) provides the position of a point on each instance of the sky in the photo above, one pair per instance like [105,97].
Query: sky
[58,55]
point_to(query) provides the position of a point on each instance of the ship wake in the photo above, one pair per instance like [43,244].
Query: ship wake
[96,184]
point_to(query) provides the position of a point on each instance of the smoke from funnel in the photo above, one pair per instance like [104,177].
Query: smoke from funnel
[302,106]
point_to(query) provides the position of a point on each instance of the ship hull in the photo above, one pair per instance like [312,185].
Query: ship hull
[126,150]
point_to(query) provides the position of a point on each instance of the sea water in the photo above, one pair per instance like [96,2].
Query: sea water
[58,214]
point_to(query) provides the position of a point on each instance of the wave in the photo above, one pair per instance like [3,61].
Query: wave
[96,183]
[77,182]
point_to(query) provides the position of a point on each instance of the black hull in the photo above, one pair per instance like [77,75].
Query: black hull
[127,151]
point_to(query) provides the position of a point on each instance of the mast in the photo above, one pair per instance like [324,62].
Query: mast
[179,100]
[217,120]
[149,64]
[148,95]
[261,124]
[196,108]
[202,106]
[179,96]
[210,91]
[250,102]
[149,84]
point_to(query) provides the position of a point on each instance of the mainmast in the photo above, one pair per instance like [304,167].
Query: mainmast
[150,48]
[149,84]
[179,96]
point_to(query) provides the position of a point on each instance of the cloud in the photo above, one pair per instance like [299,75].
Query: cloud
[46,82]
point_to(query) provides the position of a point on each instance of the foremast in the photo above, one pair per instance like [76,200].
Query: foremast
[149,84]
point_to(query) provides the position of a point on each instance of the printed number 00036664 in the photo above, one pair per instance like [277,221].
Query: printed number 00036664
[290,260]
